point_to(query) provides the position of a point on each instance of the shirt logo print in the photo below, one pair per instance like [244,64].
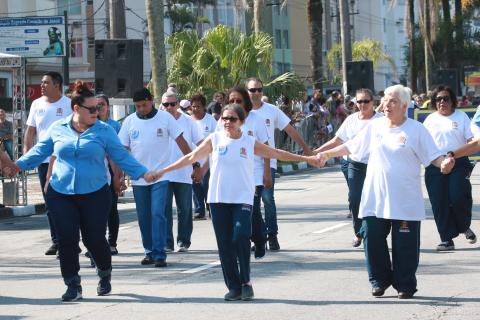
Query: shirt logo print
[243,152]
[159,132]
[134,134]
[222,150]
[454,125]
[59,112]
[402,140]
[267,122]
[250,133]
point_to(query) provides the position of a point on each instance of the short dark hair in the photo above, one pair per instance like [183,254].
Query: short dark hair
[246,98]
[450,91]
[104,97]
[142,94]
[238,109]
[365,91]
[80,92]
[253,79]
[56,78]
[219,93]
[199,98]
[214,107]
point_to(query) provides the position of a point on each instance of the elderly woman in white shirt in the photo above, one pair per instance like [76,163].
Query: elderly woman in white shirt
[392,199]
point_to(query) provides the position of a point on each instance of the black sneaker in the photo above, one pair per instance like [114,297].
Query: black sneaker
[247,293]
[113,251]
[470,235]
[356,242]
[259,250]
[73,293]
[233,295]
[199,216]
[160,264]
[446,246]
[405,295]
[273,244]
[147,260]
[379,291]
[52,250]
[104,287]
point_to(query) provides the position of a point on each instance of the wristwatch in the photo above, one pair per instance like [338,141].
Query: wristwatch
[196,165]
[451,153]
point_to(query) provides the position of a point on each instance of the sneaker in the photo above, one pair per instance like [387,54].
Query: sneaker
[356,242]
[247,293]
[405,295]
[273,244]
[252,248]
[182,247]
[160,264]
[113,250]
[259,250]
[147,260]
[104,287]
[379,291]
[446,246]
[233,295]
[470,235]
[349,215]
[52,250]
[199,216]
[73,293]
[168,249]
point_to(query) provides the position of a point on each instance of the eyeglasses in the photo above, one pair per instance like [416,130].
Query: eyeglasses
[238,101]
[363,101]
[444,98]
[92,110]
[230,119]
[169,104]
[253,90]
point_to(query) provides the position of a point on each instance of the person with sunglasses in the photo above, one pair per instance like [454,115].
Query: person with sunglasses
[232,187]
[78,195]
[148,133]
[47,109]
[355,168]
[254,126]
[274,119]
[450,195]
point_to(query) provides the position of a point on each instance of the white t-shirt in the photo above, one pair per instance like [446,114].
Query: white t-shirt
[274,119]
[392,187]
[231,169]
[475,130]
[254,126]
[193,136]
[149,140]
[351,127]
[43,114]
[449,133]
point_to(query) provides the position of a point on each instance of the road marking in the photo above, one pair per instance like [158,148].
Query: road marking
[301,190]
[337,226]
[201,268]
[124,227]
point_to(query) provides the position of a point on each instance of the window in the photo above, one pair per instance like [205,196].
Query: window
[99,51]
[285,39]
[91,42]
[277,9]
[278,39]
[76,48]
[72,6]
[121,51]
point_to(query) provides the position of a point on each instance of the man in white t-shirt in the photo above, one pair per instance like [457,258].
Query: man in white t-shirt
[180,181]
[47,109]
[148,134]
[274,119]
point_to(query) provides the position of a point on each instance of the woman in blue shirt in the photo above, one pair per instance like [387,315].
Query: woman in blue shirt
[78,195]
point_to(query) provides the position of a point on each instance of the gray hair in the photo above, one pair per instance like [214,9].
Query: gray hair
[401,92]
[169,94]
[238,109]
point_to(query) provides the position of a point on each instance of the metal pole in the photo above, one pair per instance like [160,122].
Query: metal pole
[346,41]
[66,67]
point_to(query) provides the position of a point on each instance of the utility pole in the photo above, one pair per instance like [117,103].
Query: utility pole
[66,66]
[413,59]
[346,41]
[107,19]
[426,12]
[118,28]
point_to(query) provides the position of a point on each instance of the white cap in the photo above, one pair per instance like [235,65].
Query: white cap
[185,104]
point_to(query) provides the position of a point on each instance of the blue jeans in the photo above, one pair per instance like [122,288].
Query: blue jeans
[183,199]
[150,203]
[200,191]
[344,168]
[42,176]
[451,198]
[270,207]
[233,227]
[87,213]
[8,144]
[259,230]
[400,271]
[356,176]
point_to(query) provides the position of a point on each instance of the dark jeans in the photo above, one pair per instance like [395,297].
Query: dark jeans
[200,191]
[270,207]
[183,199]
[259,230]
[113,219]
[344,168]
[356,177]
[42,176]
[451,198]
[233,228]
[400,271]
[87,213]
[8,144]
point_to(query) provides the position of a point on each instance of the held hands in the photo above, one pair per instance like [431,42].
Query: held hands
[151,176]
[314,161]
[322,158]
[447,165]
[267,181]
[10,170]
[197,175]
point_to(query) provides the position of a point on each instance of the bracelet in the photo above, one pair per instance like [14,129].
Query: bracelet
[451,153]
[196,165]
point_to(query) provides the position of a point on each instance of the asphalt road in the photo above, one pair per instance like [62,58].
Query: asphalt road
[316,275]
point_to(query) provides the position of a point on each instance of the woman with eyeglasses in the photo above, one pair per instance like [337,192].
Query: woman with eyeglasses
[78,194]
[450,195]
[353,167]
[231,192]
[254,126]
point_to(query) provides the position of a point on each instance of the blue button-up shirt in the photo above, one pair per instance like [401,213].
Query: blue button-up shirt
[80,167]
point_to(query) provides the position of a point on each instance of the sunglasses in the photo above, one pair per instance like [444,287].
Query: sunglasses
[444,98]
[230,119]
[253,90]
[169,104]
[92,110]
[238,101]
[363,101]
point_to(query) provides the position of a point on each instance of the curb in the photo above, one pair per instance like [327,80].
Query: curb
[22,211]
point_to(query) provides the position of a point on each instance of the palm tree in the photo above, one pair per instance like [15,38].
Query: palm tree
[314,17]
[412,47]
[157,46]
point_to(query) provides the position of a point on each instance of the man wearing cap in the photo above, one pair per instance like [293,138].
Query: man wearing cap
[148,134]
[185,107]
